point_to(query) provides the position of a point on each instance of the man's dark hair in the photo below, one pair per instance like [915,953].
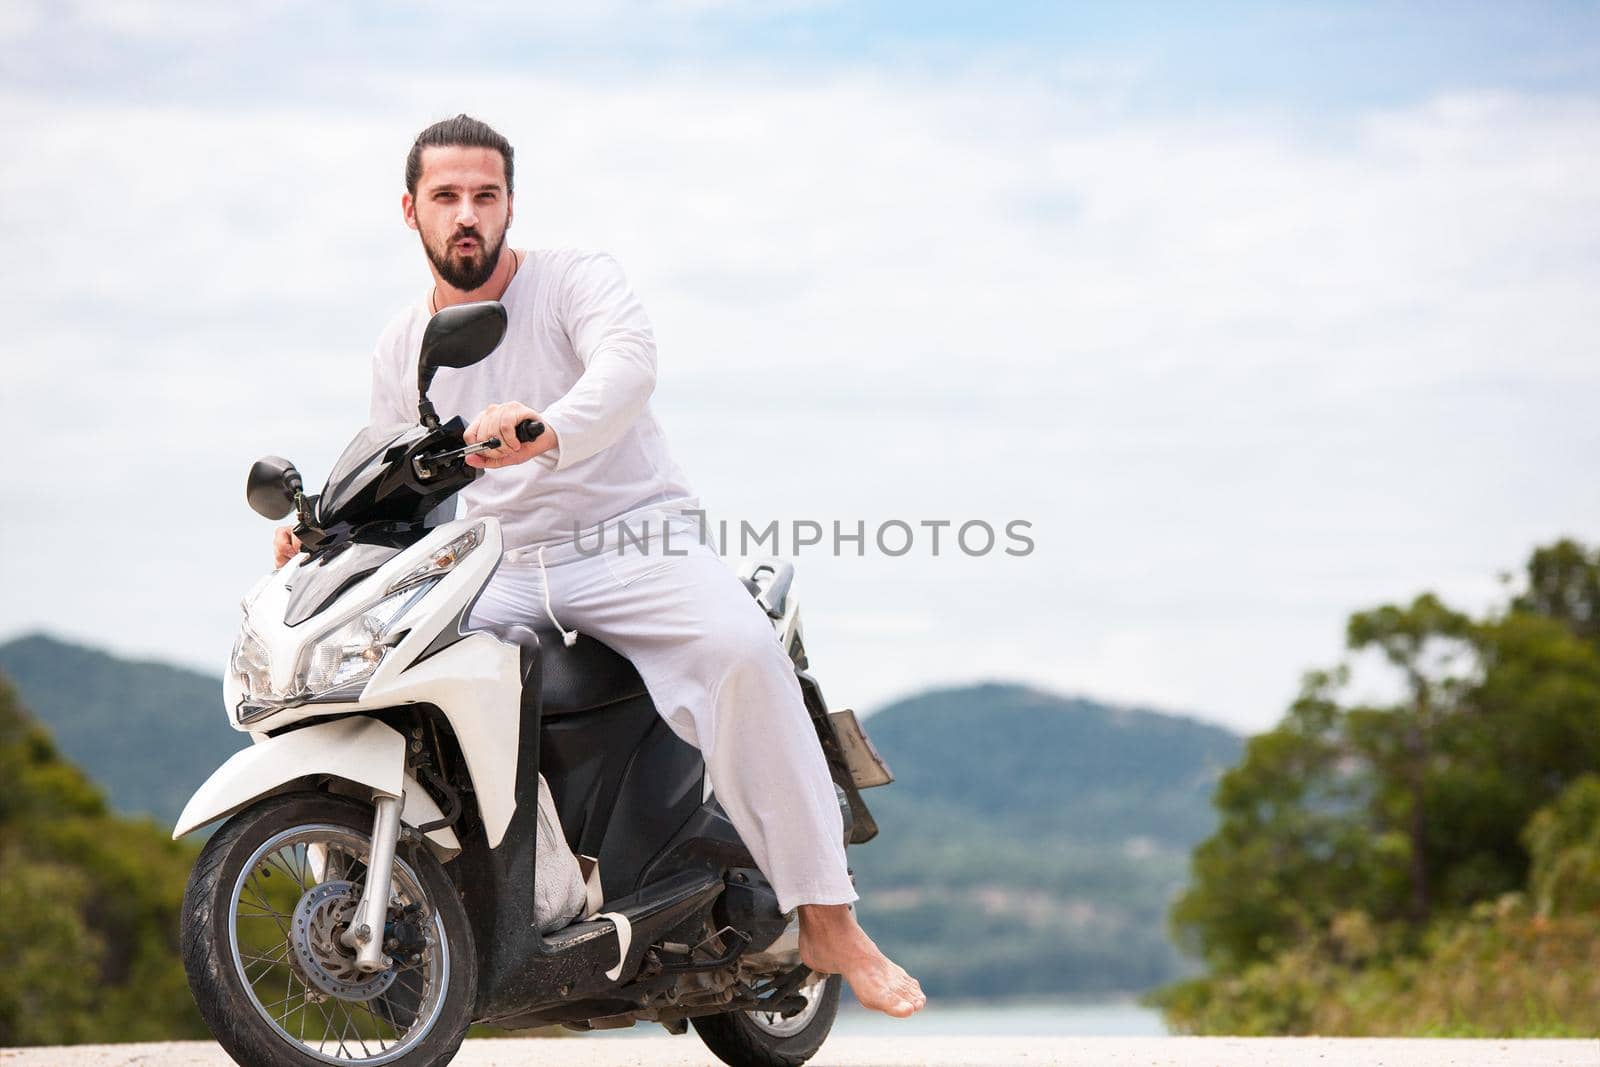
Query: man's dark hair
[463,131]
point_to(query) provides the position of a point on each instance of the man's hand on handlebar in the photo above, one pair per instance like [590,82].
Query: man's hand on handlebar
[284,545]
[502,420]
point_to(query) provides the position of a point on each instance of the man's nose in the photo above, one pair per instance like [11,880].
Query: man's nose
[466,216]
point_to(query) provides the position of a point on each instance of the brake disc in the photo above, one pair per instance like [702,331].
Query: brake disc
[324,912]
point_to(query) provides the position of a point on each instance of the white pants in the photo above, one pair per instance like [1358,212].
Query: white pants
[709,657]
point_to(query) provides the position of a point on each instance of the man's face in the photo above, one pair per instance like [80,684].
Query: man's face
[461,210]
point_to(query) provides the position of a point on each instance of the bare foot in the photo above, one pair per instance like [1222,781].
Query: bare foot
[832,942]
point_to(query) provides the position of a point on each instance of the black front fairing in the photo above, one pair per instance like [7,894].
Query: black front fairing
[374,494]
[322,578]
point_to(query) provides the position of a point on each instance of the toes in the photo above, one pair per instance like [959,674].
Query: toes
[887,988]
[900,1009]
[911,993]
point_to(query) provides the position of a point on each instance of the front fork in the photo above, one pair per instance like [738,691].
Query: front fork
[365,933]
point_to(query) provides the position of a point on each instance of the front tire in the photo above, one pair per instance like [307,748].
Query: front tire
[262,914]
[765,1039]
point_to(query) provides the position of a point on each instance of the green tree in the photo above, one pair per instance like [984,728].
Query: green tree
[1405,820]
[1564,840]
[1400,743]
[1294,843]
[1563,583]
[1329,810]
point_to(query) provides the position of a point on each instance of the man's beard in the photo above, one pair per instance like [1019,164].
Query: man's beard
[467,273]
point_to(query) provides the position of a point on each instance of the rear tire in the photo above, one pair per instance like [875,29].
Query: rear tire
[751,1039]
[214,951]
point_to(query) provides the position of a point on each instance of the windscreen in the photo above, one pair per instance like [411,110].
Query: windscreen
[361,464]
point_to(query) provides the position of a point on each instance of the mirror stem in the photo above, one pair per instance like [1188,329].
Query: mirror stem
[430,418]
[297,487]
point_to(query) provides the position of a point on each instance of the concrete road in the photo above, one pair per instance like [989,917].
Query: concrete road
[849,1051]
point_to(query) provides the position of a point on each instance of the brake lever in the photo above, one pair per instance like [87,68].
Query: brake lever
[426,466]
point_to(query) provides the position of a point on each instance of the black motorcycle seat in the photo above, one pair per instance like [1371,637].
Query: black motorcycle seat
[590,674]
[587,675]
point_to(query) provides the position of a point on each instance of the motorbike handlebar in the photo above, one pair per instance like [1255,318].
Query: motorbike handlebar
[527,430]
[428,465]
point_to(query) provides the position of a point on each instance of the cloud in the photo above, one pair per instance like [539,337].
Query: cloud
[1244,371]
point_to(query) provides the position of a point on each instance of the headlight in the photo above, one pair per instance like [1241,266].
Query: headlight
[335,667]
[351,651]
[442,560]
[252,666]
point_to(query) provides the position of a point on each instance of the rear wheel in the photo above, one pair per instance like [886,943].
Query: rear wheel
[266,904]
[767,1039]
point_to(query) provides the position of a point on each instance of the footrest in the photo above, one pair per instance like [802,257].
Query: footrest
[645,917]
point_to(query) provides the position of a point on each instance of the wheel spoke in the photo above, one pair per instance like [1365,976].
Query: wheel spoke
[260,901]
[259,912]
[282,957]
[328,1025]
[290,1005]
[277,859]
[345,1029]
[356,1028]
[276,1004]
[277,916]
[262,974]
[377,1024]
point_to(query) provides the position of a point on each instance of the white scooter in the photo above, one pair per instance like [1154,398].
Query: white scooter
[373,891]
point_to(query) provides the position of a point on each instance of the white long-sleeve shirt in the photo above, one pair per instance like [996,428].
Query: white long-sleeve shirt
[579,350]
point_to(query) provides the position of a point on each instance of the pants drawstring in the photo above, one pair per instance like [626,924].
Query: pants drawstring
[568,637]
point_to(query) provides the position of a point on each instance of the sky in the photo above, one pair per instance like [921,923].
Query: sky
[1257,314]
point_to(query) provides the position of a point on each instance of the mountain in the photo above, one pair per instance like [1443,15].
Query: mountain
[1031,843]
[146,733]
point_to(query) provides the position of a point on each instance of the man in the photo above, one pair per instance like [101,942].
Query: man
[579,355]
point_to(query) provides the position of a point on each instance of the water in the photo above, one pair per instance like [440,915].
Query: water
[1023,1018]
[1060,1017]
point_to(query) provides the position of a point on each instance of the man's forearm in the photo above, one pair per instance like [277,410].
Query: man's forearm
[601,406]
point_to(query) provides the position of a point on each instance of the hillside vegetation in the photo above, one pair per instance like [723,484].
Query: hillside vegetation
[1427,866]
[88,905]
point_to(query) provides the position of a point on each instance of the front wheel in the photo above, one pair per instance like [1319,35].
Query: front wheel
[266,904]
[767,1039]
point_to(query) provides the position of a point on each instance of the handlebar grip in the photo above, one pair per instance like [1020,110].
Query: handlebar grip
[529,429]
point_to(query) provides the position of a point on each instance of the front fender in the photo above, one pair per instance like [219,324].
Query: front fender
[357,749]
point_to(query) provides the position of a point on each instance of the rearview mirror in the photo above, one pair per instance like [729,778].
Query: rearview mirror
[458,336]
[272,486]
